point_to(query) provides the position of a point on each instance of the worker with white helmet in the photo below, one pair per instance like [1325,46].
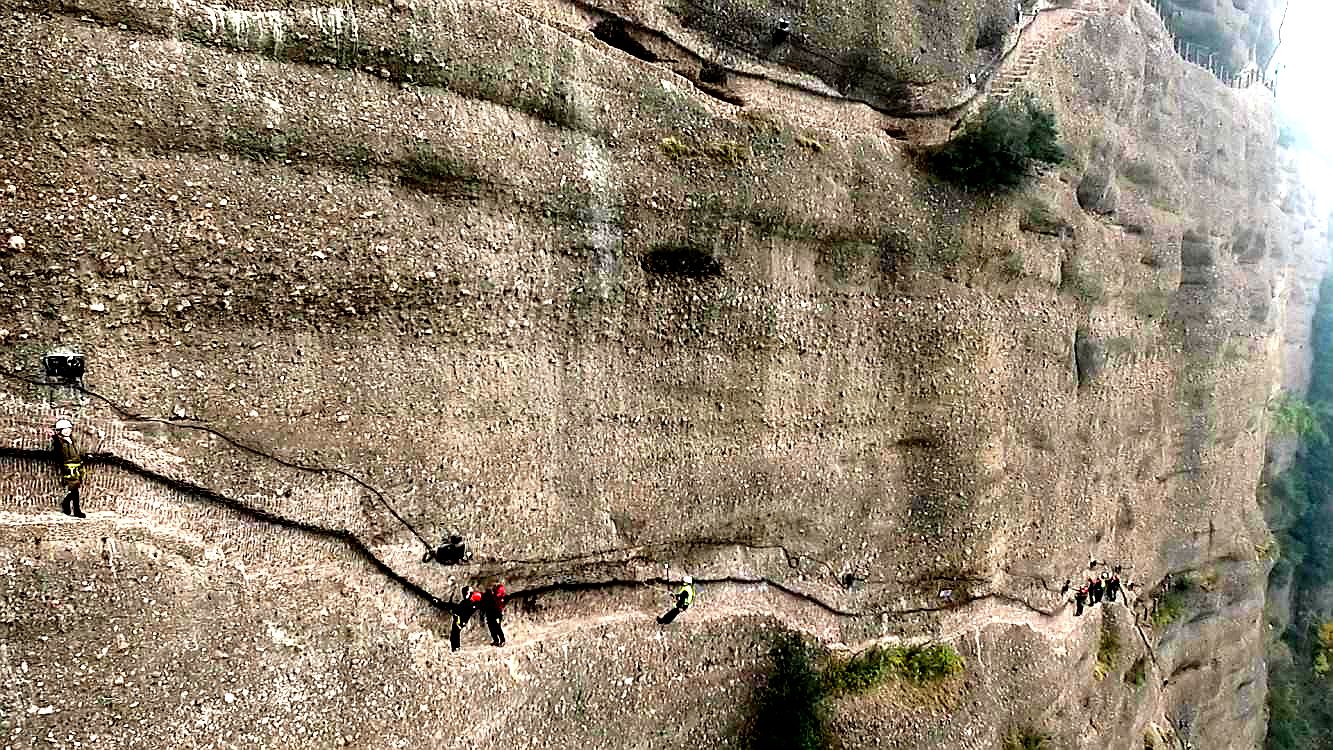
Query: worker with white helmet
[71,466]
[684,598]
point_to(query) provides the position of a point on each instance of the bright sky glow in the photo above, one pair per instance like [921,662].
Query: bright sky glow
[1305,56]
[1303,85]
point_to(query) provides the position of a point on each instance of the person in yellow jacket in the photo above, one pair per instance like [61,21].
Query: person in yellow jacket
[684,598]
[71,466]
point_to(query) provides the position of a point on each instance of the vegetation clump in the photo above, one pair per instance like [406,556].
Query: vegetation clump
[1141,173]
[1170,606]
[806,142]
[998,149]
[437,172]
[1300,702]
[762,124]
[868,670]
[1085,286]
[1168,610]
[1138,673]
[1026,739]
[1014,264]
[728,153]
[1324,651]
[263,145]
[793,710]
[1296,416]
[1108,652]
[1040,218]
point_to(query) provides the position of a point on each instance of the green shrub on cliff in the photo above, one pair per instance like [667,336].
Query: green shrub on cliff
[1169,609]
[868,670]
[997,149]
[1324,655]
[793,705]
[930,663]
[1026,739]
[1108,652]
[1296,416]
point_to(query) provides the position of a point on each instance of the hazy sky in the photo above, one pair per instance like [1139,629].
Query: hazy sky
[1304,84]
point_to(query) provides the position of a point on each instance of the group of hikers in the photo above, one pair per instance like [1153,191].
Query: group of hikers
[452,551]
[490,602]
[1096,586]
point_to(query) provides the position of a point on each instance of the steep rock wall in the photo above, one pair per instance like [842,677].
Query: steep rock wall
[397,240]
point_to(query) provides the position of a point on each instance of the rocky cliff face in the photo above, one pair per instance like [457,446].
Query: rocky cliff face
[618,319]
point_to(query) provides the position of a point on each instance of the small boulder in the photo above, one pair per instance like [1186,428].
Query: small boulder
[1097,191]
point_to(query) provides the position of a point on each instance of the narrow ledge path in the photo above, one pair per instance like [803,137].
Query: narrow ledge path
[726,597]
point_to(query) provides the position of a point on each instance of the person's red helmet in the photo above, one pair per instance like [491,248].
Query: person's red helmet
[499,589]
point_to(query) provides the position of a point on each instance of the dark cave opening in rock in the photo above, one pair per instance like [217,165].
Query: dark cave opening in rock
[613,32]
[683,261]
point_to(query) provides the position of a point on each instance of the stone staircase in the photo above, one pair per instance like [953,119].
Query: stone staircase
[1046,31]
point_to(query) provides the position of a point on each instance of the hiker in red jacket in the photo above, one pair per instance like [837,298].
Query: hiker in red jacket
[492,607]
[463,611]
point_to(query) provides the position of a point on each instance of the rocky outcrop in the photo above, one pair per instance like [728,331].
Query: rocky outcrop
[1089,356]
[1097,191]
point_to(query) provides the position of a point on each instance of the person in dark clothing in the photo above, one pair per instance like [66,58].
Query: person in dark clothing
[684,598]
[1113,584]
[1080,598]
[492,608]
[1095,590]
[71,466]
[451,551]
[1064,589]
[463,611]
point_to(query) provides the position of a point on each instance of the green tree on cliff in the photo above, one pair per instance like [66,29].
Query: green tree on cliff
[1300,699]
[1296,416]
[998,148]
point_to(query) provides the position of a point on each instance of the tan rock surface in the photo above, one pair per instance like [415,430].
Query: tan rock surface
[416,243]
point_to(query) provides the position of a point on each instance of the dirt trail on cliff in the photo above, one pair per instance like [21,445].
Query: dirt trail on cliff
[166,524]
[717,602]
